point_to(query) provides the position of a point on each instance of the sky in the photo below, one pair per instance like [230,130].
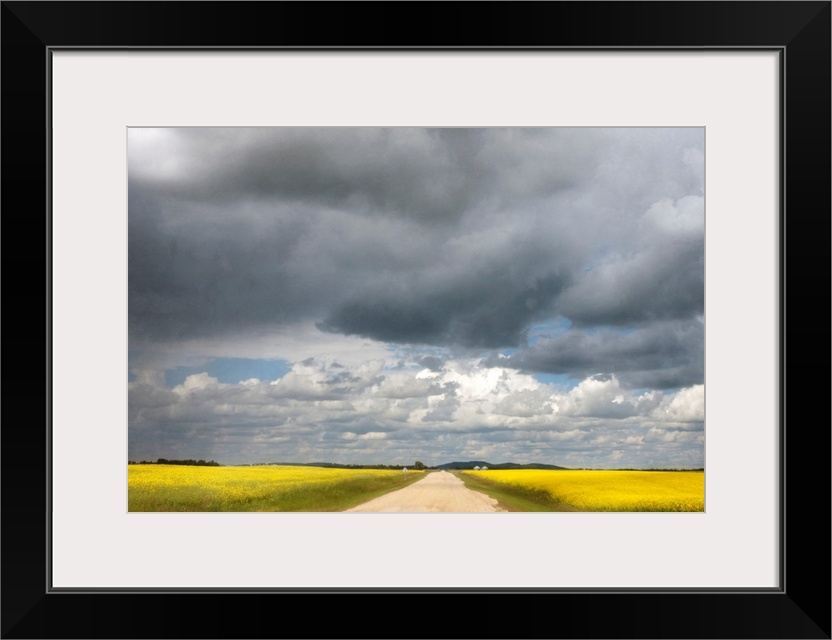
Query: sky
[387,295]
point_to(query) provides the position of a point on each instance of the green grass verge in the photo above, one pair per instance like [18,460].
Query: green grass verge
[515,499]
[346,497]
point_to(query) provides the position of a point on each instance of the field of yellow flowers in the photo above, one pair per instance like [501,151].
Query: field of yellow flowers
[605,490]
[161,487]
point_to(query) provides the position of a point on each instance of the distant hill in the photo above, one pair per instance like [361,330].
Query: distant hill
[448,465]
[503,465]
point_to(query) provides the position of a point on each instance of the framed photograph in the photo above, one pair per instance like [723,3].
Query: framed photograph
[454,316]
[506,232]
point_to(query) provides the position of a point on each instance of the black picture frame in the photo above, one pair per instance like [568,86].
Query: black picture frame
[799,608]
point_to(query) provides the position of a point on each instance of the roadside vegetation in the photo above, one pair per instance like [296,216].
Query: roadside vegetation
[591,490]
[160,487]
[512,498]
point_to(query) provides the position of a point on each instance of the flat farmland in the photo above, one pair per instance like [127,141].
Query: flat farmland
[592,490]
[166,488]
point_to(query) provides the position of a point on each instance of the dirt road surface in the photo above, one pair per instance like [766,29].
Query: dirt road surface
[438,492]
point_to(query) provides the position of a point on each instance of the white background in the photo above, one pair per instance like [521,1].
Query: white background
[97,543]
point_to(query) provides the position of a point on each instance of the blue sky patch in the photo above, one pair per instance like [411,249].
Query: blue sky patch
[231,370]
[560,380]
[549,329]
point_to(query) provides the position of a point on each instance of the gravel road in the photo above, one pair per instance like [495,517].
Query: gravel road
[437,492]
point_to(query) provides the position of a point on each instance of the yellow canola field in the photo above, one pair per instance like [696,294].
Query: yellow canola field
[610,490]
[160,487]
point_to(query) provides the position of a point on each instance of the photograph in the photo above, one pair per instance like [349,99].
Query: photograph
[408,319]
[367,263]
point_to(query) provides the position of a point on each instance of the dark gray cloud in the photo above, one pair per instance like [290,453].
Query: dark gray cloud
[433,363]
[661,355]
[431,236]
[433,175]
[482,313]
[666,282]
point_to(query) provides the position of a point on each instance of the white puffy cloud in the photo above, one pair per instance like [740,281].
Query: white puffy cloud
[687,405]
[366,411]
[601,396]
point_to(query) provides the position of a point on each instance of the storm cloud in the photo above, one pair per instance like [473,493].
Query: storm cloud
[370,259]
[657,355]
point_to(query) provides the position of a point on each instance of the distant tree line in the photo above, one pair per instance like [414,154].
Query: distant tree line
[189,462]
[639,469]
[419,466]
